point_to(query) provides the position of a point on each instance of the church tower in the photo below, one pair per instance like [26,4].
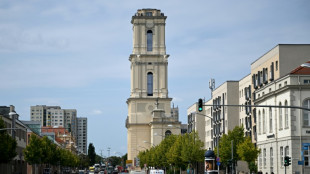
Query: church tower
[150,116]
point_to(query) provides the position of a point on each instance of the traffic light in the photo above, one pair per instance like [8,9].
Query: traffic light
[200,105]
[287,161]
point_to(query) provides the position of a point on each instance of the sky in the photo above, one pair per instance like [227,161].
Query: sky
[74,53]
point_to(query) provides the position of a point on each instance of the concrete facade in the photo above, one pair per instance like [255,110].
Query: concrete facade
[82,135]
[196,121]
[281,131]
[54,116]
[149,107]
[274,64]
[245,114]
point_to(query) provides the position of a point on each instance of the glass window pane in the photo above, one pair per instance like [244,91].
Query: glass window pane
[149,40]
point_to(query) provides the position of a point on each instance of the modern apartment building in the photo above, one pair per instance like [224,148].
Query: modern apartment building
[276,80]
[224,118]
[245,111]
[82,135]
[196,122]
[71,120]
[54,116]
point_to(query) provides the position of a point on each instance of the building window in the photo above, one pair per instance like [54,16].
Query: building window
[264,122]
[149,84]
[149,40]
[149,14]
[280,116]
[259,123]
[271,157]
[270,120]
[306,155]
[264,156]
[287,151]
[286,115]
[277,66]
[307,81]
[281,155]
[260,160]
[167,133]
[306,114]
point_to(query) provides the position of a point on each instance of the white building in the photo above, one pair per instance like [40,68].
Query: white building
[82,134]
[284,131]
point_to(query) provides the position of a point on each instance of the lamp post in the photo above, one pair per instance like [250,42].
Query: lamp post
[217,139]
[12,115]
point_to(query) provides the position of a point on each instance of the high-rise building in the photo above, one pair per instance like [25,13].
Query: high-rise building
[150,116]
[82,135]
[54,116]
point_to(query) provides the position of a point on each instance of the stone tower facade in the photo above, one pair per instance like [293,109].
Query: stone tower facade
[150,116]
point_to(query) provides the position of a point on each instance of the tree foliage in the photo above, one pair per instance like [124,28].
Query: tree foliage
[247,151]
[175,150]
[44,151]
[237,136]
[243,148]
[7,145]
[91,154]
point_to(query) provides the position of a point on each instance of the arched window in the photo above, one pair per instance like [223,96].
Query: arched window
[167,133]
[149,40]
[280,116]
[264,121]
[286,115]
[270,120]
[306,114]
[149,84]
[259,123]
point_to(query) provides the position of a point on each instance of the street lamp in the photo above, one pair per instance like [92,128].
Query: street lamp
[12,115]
[217,139]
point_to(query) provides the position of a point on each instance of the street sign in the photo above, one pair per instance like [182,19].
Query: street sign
[301,163]
[218,159]
[218,163]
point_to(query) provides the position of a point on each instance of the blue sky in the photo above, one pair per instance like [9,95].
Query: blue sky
[74,53]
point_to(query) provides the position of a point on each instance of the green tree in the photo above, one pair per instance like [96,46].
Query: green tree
[192,148]
[7,145]
[91,154]
[174,154]
[163,149]
[84,161]
[237,135]
[115,160]
[248,152]
[124,158]
[33,151]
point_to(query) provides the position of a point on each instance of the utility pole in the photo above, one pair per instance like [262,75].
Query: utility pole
[212,85]
[101,155]
[109,152]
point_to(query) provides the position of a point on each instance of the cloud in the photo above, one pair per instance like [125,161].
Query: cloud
[96,112]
